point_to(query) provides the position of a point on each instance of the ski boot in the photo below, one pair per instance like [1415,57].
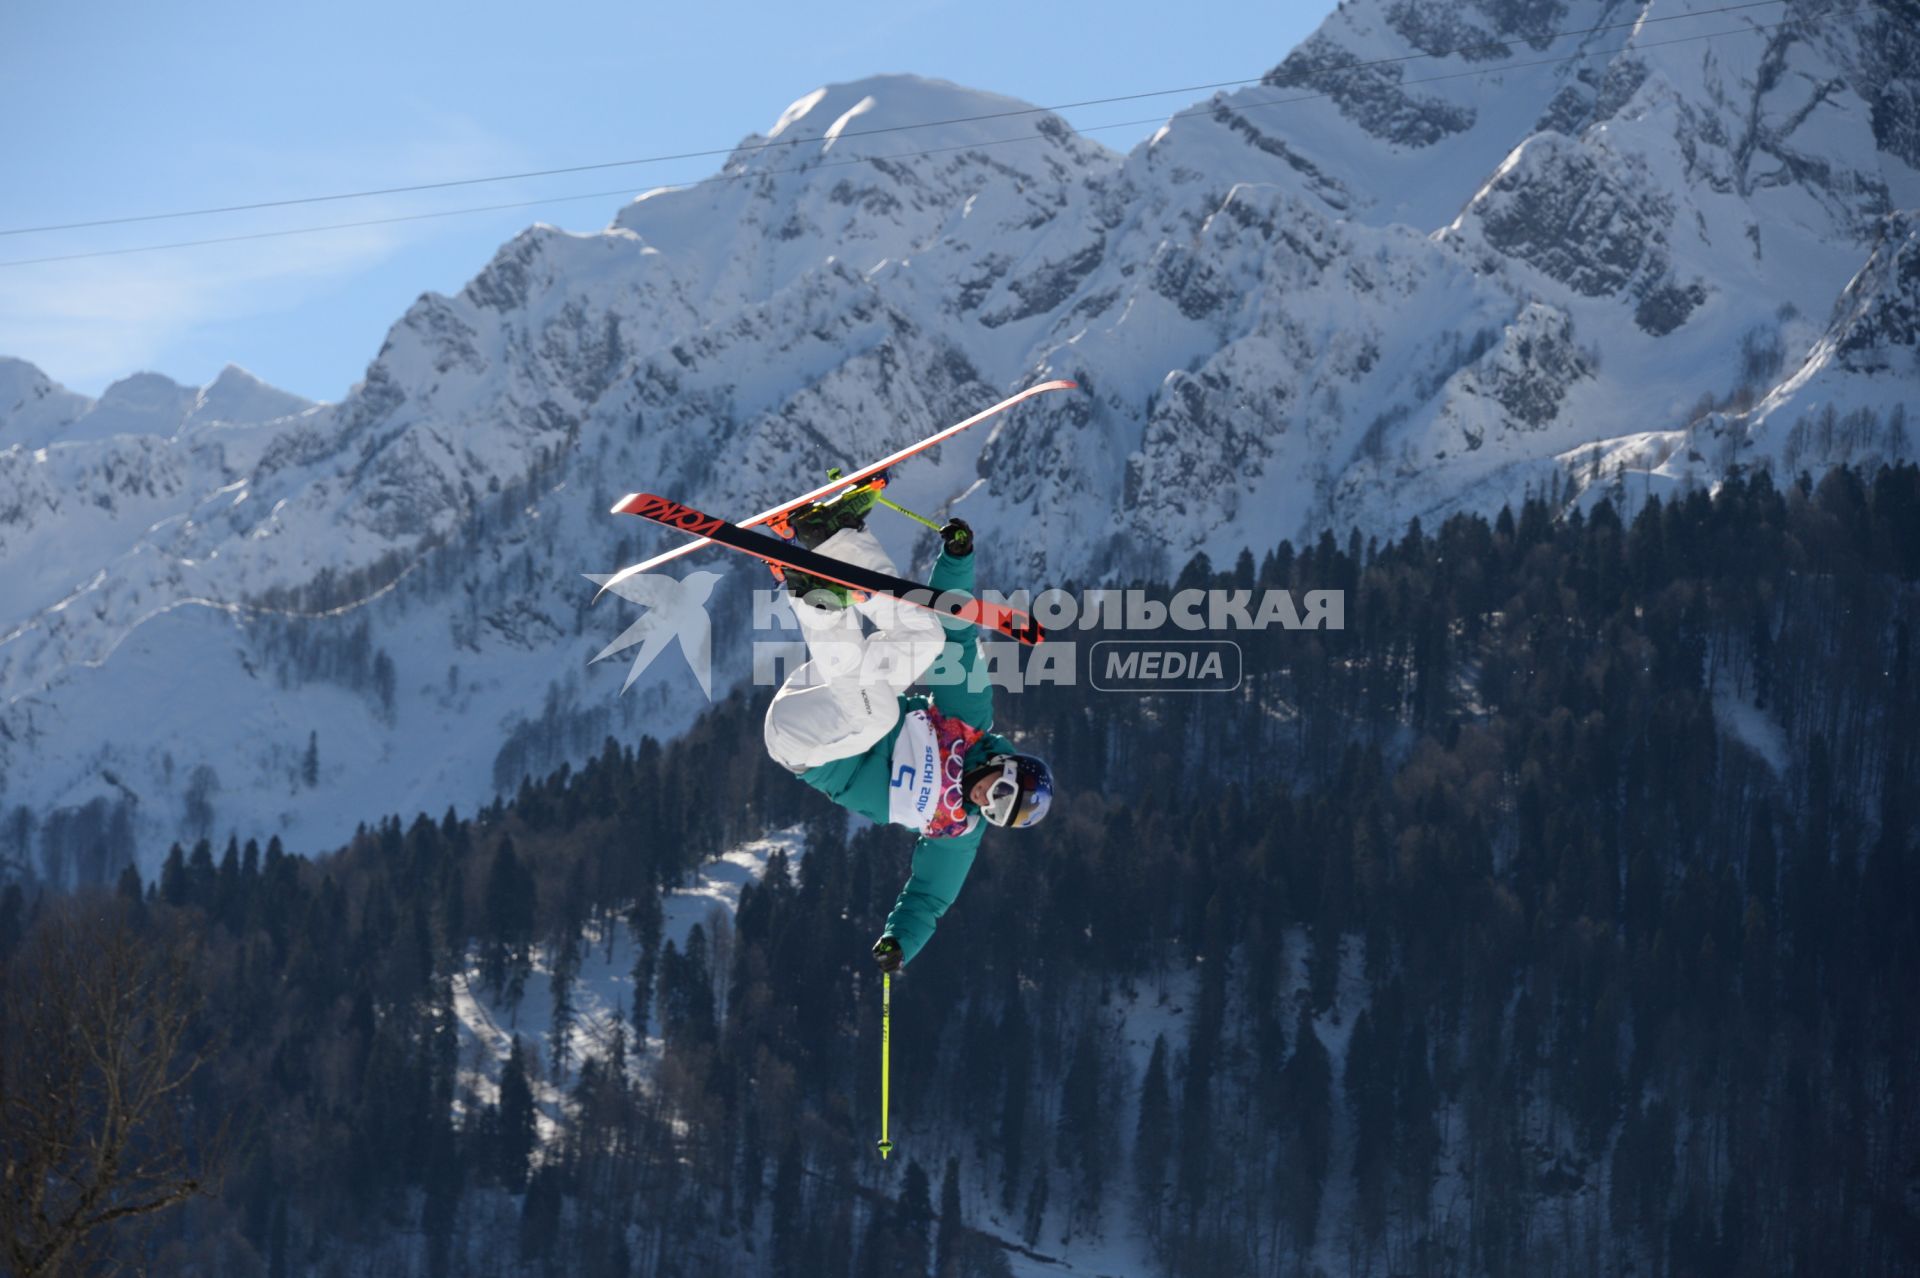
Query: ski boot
[815,522]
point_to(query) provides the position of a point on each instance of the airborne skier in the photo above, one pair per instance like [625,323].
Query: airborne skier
[843,722]
[846,725]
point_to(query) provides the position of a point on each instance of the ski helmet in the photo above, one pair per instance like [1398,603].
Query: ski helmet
[1022,790]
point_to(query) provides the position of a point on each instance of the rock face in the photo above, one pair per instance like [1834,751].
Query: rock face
[1441,256]
[1876,326]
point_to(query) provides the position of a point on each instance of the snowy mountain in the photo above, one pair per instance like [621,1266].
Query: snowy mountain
[36,411]
[1441,257]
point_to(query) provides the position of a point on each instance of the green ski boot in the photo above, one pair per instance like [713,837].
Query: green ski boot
[815,523]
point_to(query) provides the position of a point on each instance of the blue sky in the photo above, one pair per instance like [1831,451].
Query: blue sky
[120,108]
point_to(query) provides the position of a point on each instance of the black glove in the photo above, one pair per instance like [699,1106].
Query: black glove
[886,952]
[957,538]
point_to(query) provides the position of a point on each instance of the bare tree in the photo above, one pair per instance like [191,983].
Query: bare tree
[96,1018]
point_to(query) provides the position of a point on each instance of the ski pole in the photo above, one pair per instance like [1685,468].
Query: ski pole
[922,519]
[886,1041]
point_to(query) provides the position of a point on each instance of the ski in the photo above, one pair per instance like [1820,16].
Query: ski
[834,485]
[672,514]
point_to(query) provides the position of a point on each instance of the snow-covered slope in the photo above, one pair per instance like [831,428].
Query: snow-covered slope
[1442,256]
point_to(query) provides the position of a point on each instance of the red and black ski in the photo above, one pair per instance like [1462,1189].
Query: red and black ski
[1008,621]
[775,514]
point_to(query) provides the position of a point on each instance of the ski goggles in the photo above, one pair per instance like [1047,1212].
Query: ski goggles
[1019,796]
[1003,797]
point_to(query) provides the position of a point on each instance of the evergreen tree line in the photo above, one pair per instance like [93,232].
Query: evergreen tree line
[1559,915]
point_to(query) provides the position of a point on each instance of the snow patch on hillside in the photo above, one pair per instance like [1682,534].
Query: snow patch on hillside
[603,992]
[1753,728]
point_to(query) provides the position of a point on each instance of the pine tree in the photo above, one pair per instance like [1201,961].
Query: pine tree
[644,922]
[226,892]
[129,887]
[441,1207]
[1085,1125]
[540,1215]
[686,993]
[277,1241]
[507,925]
[1153,1139]
[12,919]
[1416,1131]
[518,1132]
[915,1217]
[1035,1218]
[174,889]
[788,1223]
[566,965]
[951,1222]
[1369,1089]
[453,910]
[1015,1050]
[1307,1081]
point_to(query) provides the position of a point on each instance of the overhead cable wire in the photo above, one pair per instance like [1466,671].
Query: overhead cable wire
[864,159]
[774,143]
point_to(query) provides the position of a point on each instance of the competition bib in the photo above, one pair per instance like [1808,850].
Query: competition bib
[929,757]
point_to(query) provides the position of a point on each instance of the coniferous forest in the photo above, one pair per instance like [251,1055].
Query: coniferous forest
[1558,916]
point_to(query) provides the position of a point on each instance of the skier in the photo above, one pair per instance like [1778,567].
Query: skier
[846,725]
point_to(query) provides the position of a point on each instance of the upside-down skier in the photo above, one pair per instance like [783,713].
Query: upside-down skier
[846,724]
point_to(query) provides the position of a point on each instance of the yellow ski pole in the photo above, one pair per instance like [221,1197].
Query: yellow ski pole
[886,1044]
[892,505]
[917,518]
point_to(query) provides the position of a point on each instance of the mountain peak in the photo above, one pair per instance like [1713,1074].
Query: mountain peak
[791,201]
[143,389]
[36,411]
[238,396]
[897,102]
[33,407]
[20,380]
[233,375]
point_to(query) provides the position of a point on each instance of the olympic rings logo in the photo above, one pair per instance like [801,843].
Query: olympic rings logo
[954,767]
